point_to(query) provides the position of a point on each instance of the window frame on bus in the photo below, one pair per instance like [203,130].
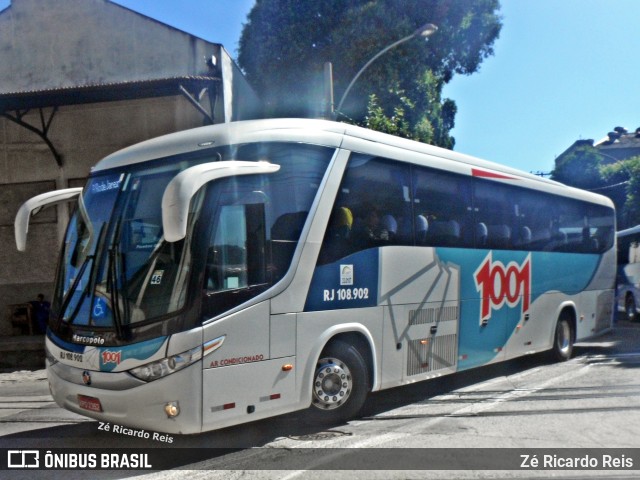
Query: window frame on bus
[459,211]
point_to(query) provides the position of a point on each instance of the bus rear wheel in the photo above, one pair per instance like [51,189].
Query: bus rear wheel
[563,339]
[340,383]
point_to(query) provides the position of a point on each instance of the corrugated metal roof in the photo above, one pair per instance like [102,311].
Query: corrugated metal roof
[101,92]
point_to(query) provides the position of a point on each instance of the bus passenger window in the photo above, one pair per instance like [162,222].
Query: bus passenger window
[227,260]
[236,258]
[337,237]
[388,228]
[371,229]
[372,209]
[285,233]
[442,201]
[498,208]
[422,229]
[444,233]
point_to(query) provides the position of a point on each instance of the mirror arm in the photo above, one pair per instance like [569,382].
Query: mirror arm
[181,189]
[35,205]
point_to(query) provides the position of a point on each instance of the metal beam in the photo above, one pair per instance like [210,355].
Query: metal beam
[42,132]
[208,117]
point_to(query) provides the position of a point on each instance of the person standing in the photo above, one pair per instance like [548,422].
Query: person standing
[40,311]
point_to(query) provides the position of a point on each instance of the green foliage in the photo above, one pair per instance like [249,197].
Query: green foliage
[429,120]
[632,204]
[625,175]
[397,124]
[580,168]
[285,43]
[615,173]
[586,168]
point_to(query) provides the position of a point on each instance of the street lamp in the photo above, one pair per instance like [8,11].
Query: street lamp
[425,31]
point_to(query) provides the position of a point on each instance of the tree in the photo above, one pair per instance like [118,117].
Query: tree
[585,167]
[580,168]
[631,208]
[624,179]
[285,43]
[429,122]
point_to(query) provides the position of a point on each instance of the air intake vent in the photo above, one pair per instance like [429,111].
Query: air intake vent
[433,315]
[436,354]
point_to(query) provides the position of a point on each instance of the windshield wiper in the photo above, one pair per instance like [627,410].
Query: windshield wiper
[112,288]
[114,267]
[72,289]
[90,287]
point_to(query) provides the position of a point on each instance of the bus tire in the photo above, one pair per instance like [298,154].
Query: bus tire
[563,339]
[630,308]
[340,383]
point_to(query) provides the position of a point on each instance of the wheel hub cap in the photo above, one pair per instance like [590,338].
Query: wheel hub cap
[332,384]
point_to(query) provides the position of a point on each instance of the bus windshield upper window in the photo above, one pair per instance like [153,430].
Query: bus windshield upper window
[257,220]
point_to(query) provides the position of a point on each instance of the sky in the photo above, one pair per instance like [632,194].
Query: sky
[562,70]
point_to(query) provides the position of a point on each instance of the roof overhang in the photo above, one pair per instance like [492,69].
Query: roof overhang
[107,92]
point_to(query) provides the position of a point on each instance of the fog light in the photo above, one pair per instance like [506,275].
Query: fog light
[172,409]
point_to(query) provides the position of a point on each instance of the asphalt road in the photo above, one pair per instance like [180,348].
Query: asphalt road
[590,403]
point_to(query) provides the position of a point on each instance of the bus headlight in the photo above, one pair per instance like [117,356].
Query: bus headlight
[166,366]
[49,356]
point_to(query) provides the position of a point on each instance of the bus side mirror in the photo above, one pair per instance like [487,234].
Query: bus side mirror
[182,188]
[33,206]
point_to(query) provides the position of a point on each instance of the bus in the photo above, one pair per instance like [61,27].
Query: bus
[239,271]
[628,281]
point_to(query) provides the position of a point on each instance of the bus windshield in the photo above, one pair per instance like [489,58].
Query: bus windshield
[147,273]
[108,262]
[84,233]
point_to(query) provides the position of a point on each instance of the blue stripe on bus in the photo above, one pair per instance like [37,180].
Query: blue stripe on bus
[333,287]
[566,273]
[111,357]
[70,347]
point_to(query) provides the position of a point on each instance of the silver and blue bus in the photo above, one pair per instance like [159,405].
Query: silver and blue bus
[234,272]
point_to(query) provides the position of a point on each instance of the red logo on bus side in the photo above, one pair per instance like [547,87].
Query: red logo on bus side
[499,285]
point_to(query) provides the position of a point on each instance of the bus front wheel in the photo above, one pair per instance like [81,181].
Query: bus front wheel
[340,383]
[563,339]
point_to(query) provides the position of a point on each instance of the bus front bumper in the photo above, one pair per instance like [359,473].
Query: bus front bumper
[121,400]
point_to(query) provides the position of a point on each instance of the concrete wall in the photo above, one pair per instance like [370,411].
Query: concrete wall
[54,43]
[83,134]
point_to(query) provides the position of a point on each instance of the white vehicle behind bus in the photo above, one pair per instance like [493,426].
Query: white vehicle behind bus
[628,281]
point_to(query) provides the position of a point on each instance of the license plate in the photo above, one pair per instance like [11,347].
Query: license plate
[89,403]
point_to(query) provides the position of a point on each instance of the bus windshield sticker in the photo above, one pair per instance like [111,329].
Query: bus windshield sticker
[346,274]
[156,278]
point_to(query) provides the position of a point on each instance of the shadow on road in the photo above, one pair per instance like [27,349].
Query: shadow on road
[185,449]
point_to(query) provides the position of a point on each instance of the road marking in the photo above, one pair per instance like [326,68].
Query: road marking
[481,405]
[488,404]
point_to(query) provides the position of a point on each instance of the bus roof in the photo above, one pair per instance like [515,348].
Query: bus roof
[331,134]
